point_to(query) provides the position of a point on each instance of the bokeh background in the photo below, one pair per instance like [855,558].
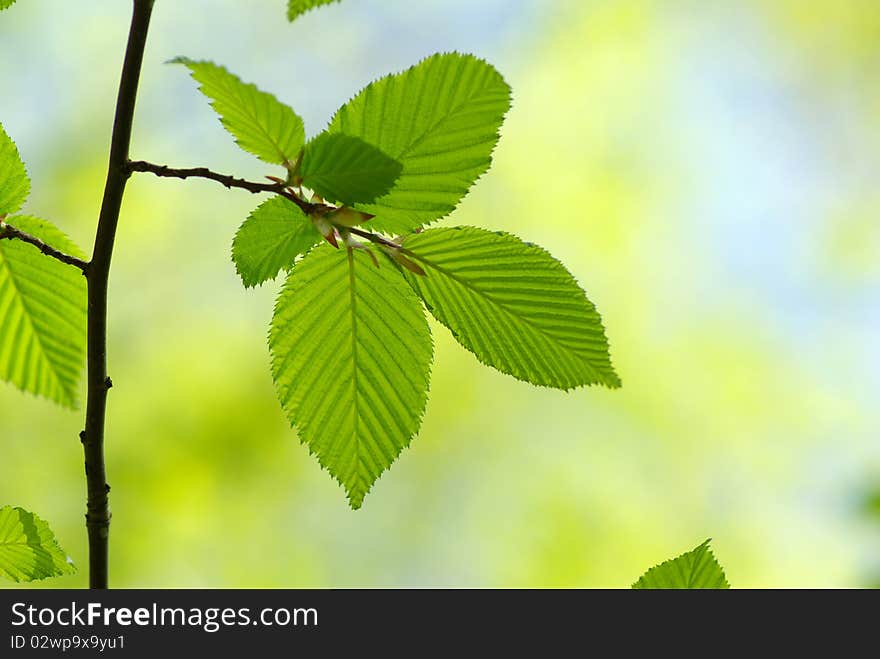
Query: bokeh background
[708,171]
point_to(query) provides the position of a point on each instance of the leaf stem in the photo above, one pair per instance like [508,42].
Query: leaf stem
[98,274]
[9,232]
[374,238]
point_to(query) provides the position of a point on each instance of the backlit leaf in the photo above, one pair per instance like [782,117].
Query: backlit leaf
[42,314]
[14,183]
[260,123]
[351,356]
[696,569]
[440,119]
[295,8]
[28,548]
[274,234]
[513,305]
[346,169]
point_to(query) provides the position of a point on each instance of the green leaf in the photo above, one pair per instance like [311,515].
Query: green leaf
[440,119]
[42,315]
[696,569]
[6,4]
[269,241]
[346,169]
[513,305]
[14,183]
[260,123]
[295,8]
[351,358]
[28,548]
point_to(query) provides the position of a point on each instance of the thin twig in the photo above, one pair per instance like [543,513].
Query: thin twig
[9,232]
[311,209]
[164,171]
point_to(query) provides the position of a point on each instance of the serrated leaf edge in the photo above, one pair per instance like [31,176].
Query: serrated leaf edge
[69,566]
[498,133]
[706,551]
[293,16]
[312,453]
[616,383]
[186,61]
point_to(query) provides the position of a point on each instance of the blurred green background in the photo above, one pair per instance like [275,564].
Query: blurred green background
[709,173]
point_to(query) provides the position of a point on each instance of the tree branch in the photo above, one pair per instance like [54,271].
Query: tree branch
[164,171]
[98,507]
[9,232]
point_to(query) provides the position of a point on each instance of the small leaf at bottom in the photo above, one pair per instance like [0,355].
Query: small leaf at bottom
[28,548]
[696,569]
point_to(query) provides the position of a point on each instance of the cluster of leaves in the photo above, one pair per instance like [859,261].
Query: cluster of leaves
[350,342]
[351,346]
[28,548]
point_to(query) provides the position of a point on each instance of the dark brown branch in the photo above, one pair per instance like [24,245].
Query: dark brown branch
[98,506]
[9,232]
[163,171]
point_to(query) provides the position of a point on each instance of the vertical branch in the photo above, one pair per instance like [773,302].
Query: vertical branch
[98,508]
